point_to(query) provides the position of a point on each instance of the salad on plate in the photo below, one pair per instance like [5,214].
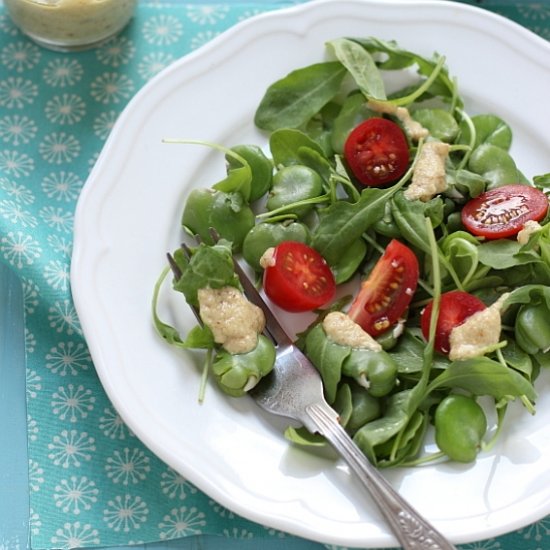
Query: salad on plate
[399,229]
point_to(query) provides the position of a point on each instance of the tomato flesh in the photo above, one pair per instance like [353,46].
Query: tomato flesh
[503,211]
[387,292]
[377,152]
[298,278]
[455,307]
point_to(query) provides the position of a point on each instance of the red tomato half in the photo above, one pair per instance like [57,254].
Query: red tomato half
[377,152]
[503,211]
[455,307]
[299,278]
[388,290]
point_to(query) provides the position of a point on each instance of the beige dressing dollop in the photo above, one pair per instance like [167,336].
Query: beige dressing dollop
[529,228]
[233,320]
[413,128]
[343,330]
[429,176]
[479,333]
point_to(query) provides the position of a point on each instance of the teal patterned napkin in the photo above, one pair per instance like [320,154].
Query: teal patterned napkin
[92,483]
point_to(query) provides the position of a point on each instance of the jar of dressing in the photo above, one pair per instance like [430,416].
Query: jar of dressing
[70,25]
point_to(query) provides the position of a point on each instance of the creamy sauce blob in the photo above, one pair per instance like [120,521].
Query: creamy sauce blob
[233,320]
[341,329]
[412,127]
[429,176]
[529,228]
[478,333]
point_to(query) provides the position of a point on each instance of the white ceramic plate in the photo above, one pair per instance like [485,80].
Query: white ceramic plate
[128,218]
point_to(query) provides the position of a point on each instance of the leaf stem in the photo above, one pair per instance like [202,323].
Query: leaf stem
[211,144]
[424,459]
[429,349]
[204,374]
[406,100]
[289,207]
[169,333]
[465,117]
[489,444]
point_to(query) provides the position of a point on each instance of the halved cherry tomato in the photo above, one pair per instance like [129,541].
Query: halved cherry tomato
[298,278]
[377,152]
[455,307]
[388,290]
[503,211]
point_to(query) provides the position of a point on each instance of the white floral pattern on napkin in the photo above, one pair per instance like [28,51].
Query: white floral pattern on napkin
[92,482]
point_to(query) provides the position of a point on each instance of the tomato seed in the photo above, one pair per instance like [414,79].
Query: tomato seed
[382,324]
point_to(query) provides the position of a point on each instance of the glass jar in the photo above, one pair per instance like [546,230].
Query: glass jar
[69,25]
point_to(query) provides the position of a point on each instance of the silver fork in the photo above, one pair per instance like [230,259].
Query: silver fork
[294,389]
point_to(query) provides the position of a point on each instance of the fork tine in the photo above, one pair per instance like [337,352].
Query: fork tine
[272,325]
[174,266]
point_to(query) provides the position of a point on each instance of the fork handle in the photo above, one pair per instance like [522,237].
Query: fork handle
[410,529]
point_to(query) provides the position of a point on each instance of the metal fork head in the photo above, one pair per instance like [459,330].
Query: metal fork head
[291,387]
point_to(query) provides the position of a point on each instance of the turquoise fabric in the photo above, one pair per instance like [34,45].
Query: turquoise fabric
[14,494]
[91,481]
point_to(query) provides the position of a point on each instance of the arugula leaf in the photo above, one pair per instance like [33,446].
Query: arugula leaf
[542,181]
[398,58]
[199,337]
[484,376]
[293,100]
[462,251]
[408,353]
[528,294]
[410,216]
[518,359]
[400,408]
[285,145]
[327,358]
[342,223]
[238,179]
[361,66]
[504,253]
[209,266]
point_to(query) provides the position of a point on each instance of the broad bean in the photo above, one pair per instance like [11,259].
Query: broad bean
[374,370]
[260,165]
[265,235]
[489,129]
[293,184]
[238,373]
[495,165]
[460,425]
[227,213]
[440,123]
[350,261]
[532,328]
